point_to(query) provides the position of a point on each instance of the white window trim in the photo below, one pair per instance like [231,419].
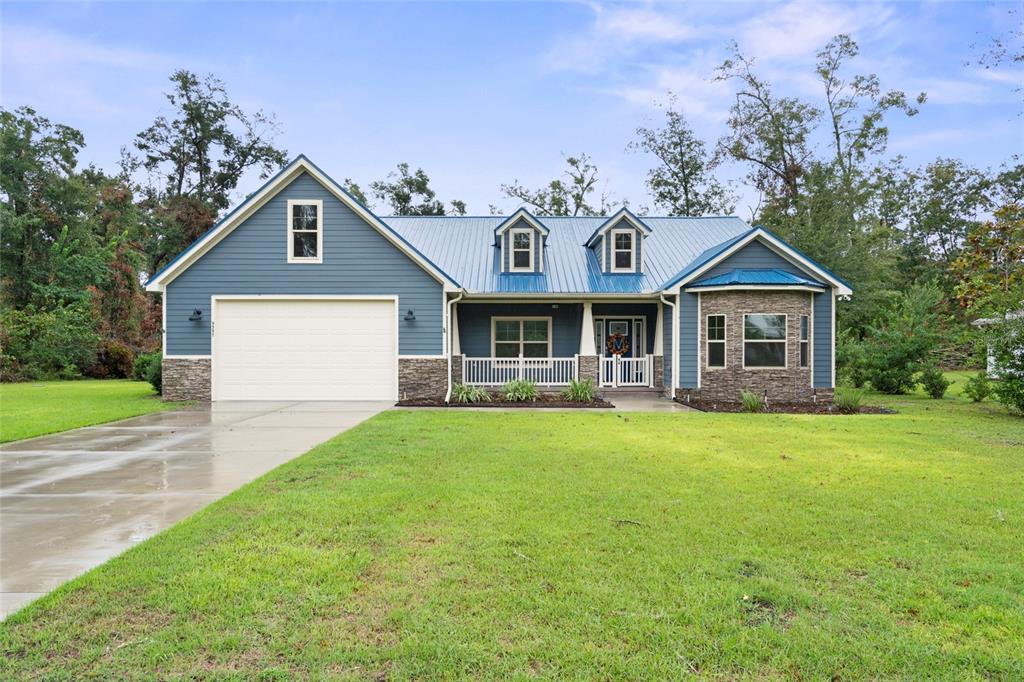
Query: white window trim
[531,233]
[708,341]
[292,258]
[784,340]
[632,249]
[801,341]
[520,319]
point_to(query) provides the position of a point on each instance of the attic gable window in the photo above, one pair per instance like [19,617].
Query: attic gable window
[522,250]
[623,242]
[305,231]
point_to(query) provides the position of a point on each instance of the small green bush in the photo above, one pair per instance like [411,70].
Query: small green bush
[140,368]
[114,360]
[519,390]
[851,360]
[934,381]
[47,343]
[978,387]
[848,400]
[155,373]
[464,393]
[580,391]
[752,402]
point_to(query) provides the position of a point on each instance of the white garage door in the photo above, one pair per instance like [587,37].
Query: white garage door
[304,349]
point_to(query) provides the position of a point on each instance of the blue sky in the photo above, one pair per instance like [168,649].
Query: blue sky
[483,93]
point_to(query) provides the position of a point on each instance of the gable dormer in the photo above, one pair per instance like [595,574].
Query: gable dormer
[618,243]
[520,239]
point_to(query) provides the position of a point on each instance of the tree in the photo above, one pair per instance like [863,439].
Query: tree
[410,194]
[947,199]
[563,197]
[901,339]
[681,182]
[769,132]
[196,159]
[990,268]
[350,186]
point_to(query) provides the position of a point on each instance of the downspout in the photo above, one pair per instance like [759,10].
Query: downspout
[675,350]
[448,350]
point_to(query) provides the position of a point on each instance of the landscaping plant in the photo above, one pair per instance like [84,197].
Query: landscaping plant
[978,387]
[848,400]
[519,390]
[934,381]
[1008,349]
[752,402]
[901,339]
[580,391]
[155,372]
[464,393]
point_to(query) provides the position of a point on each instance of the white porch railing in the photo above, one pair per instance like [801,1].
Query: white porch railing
[541,371]
[619,371]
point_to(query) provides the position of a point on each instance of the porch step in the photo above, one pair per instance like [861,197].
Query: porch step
[631,390]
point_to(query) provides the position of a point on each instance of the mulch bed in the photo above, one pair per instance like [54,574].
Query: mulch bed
[782,408]
[543,400]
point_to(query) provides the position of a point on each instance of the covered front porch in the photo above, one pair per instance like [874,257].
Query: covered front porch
[616,344]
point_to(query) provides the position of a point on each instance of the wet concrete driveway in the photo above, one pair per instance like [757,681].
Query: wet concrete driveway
[72,500]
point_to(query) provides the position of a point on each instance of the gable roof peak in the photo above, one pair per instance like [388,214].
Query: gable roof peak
[523,214]
[623,214]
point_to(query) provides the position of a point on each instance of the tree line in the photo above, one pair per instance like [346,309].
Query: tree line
[943,242]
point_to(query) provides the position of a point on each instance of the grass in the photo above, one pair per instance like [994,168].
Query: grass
[578,545]
[38,408]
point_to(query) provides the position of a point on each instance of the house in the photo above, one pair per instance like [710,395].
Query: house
[990,356]
[302,293]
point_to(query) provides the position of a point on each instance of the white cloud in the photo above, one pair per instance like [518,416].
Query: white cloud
[800,28]
[31,46]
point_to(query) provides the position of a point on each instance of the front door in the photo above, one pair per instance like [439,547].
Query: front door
[619,338]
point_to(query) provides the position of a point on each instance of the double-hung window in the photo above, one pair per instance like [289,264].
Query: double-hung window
[305,231]
[529,337]
[522,250]
[622,251]
[764,340]
[716,341]
[805,341]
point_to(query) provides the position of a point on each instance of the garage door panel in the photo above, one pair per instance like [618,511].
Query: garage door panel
[305,350]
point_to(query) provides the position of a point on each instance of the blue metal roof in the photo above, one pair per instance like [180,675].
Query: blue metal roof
[747,277]
[464,248]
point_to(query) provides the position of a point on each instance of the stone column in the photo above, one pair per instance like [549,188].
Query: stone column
[590,367]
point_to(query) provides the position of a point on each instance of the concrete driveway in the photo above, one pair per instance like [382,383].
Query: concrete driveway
[70,501]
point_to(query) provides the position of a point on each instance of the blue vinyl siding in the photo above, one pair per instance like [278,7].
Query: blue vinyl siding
[538,247]
[253,260]
[756,255]
[822,340]
[687,340]
[475,325]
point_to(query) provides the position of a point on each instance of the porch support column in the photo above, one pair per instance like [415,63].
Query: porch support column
[589,363]
[659,334]
[456,346]
[587,332]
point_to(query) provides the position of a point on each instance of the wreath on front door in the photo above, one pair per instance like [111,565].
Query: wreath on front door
[617,344]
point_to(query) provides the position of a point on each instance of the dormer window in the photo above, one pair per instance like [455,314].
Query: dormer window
[305,231]
[522,250]
[623,251]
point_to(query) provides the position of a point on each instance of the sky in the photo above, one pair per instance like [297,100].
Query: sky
[480,94]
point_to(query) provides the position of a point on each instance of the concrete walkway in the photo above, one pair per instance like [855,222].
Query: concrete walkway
[70,501]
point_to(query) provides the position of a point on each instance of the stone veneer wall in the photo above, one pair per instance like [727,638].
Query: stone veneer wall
[789,384]
[422,378]
[186,379]
[659,371]
[589,366]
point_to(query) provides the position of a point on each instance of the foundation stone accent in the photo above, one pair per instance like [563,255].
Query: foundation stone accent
[186,379]
[590,366]
[457,369]
[423,378]
[789,384]
[659,371]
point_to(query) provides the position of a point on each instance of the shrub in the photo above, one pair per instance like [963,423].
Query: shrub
[752,402]
[901,339]
[155,373]
[851,360]
[978,387]
[519,390]
[114,360]
[1008,351]
[140,368]
[464,393]
[54,343]
[580,391]
[848,400]
[934,381]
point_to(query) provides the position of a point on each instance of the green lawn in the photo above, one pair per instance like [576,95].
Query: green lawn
[580,545]
[34,409]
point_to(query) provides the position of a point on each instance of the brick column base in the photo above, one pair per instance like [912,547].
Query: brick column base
[590,366]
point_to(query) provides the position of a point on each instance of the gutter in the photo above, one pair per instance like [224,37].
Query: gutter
[448,350]
[675,343]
